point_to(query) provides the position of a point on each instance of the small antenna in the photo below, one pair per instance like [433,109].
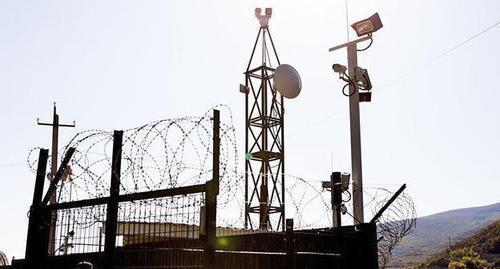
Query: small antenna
[331,161]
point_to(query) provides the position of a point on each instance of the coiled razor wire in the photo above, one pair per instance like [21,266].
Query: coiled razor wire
[177,152]
[159,155]
[399,220]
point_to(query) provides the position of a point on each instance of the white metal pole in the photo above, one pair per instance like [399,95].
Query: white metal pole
[357,175]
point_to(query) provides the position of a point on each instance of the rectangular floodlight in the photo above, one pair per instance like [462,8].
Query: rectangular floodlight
[367,26]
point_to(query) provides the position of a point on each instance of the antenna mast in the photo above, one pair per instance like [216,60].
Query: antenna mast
[264,143]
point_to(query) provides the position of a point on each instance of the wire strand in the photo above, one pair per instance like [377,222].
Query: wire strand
[397,79]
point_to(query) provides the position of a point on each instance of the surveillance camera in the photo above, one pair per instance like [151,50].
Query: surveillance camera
[258,11]
[363,79]
[263,19]
[338,68]
[345,178]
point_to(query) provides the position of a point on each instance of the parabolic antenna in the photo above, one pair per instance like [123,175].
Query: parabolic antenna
[287,81]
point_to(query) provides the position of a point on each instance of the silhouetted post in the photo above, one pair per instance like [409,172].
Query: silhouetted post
[336,196]
[211,197]
[289,244]
[384,208]
[112,207]
[34,255]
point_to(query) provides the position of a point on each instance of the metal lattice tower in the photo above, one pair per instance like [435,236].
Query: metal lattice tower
[264,144]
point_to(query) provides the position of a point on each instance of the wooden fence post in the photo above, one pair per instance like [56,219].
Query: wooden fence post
[34,255]
[112,207]
[211,198]
[289,244]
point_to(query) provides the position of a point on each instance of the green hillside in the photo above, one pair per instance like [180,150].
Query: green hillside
[434,233]
[475,251]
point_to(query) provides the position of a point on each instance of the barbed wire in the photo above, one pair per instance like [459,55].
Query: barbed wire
[162,154]
[177,152]
[399,220]
[171,153]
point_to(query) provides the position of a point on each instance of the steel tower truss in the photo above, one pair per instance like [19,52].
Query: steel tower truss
[264,144]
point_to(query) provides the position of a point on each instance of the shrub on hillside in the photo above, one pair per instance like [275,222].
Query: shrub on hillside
[466,258]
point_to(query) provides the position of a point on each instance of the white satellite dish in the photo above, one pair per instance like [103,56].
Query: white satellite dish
[287,81]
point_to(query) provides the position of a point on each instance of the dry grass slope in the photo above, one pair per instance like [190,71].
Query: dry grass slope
[486,242]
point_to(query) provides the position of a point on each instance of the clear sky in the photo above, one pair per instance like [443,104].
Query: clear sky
[433,121]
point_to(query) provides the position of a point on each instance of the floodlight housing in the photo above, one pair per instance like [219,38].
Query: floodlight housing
[368,26]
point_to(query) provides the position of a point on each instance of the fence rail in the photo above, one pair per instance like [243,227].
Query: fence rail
[127,221]
[79,230]
[175,228]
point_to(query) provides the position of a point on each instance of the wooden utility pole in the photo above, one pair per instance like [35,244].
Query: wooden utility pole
[53,169]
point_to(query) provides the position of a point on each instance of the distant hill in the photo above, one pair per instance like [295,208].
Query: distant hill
[485,242]
[434,233]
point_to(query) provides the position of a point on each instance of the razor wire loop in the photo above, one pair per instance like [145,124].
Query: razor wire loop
[177,152]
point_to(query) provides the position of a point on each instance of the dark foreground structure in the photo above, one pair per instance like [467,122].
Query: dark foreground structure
[342,248]
[137,230]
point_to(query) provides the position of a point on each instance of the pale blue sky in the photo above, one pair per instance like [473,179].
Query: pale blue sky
[433,122]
